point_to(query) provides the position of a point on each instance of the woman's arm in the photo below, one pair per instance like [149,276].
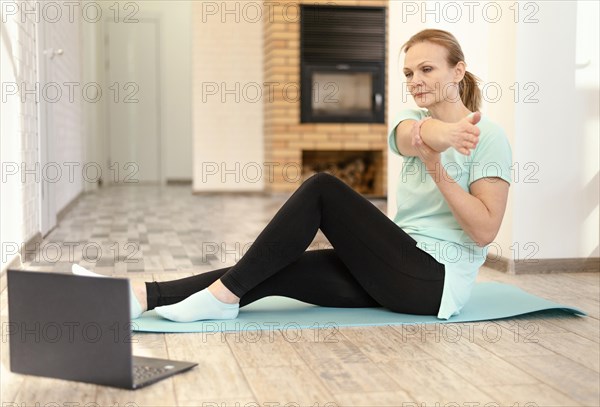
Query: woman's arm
[480,213]
[436,137]
[435,134]
[462,135]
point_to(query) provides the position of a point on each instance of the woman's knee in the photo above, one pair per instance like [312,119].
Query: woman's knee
[319,179]
[322,176]
[327,177]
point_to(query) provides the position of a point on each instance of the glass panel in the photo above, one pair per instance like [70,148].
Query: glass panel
[342,93]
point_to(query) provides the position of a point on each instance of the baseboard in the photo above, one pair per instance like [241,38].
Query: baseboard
[37,238]
[179,181]
[500,264]
[544,266]
[231,193]
[61,214]
[17,261]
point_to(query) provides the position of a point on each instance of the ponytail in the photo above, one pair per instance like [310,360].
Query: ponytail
[470,94]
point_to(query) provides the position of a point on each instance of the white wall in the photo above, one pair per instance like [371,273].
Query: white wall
[554,134]
[20,202]
[67,112]
[227,53]
[558,134]
[587,85]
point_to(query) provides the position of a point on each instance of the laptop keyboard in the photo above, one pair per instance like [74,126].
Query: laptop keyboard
[141,372]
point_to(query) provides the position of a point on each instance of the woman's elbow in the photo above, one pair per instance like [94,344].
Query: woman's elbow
[484,243]
[484,238]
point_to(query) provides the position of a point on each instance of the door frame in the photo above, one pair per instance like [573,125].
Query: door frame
[46,190]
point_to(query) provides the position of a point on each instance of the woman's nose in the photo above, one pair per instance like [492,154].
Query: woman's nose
[415,83]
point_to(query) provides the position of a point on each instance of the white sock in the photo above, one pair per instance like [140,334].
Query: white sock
[198,306]
[134,305]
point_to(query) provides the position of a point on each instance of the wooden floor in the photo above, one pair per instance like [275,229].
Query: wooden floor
[548,358]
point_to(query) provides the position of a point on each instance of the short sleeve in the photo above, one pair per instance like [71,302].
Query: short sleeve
[415,114]
[492,157]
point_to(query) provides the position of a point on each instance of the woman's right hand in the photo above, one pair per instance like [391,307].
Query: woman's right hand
[464,135]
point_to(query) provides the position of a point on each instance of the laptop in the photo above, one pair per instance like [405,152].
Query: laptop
[77,328]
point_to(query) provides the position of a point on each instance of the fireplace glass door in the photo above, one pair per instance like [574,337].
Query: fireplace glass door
[342,93]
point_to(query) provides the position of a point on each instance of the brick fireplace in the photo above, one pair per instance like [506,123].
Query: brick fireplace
[357,151]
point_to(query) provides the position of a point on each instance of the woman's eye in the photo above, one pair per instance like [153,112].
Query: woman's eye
[425,69]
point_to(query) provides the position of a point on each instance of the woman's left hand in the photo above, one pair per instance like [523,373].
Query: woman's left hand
[429,156]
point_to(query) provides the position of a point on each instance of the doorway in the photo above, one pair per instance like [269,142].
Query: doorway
[132,71]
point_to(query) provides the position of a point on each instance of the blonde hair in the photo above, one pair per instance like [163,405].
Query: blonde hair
[470,94]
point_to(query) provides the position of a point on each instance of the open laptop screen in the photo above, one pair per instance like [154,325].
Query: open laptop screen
[70,327]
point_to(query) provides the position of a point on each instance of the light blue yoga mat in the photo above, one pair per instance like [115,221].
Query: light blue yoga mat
[489,300]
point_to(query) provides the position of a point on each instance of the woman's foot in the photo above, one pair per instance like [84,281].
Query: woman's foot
[139,290]
[213,302]
[223,293]
[137,299]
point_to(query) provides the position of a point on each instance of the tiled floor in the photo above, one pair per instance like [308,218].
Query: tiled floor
[147,229]
[544,359]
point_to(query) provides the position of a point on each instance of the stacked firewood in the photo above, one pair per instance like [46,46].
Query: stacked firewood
[358,173]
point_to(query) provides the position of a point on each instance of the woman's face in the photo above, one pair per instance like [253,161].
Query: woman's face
[428,77]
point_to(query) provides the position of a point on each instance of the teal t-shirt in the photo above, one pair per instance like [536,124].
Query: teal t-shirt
[424,214]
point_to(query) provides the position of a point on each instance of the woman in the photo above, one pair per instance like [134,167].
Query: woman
[444,198]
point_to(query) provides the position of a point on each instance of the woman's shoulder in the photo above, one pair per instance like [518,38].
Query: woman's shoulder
[492,136]
[490,128]
[489,123]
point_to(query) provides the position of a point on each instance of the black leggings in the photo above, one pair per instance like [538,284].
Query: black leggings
[373,262]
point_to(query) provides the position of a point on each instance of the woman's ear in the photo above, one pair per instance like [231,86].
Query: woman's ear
[460,70]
